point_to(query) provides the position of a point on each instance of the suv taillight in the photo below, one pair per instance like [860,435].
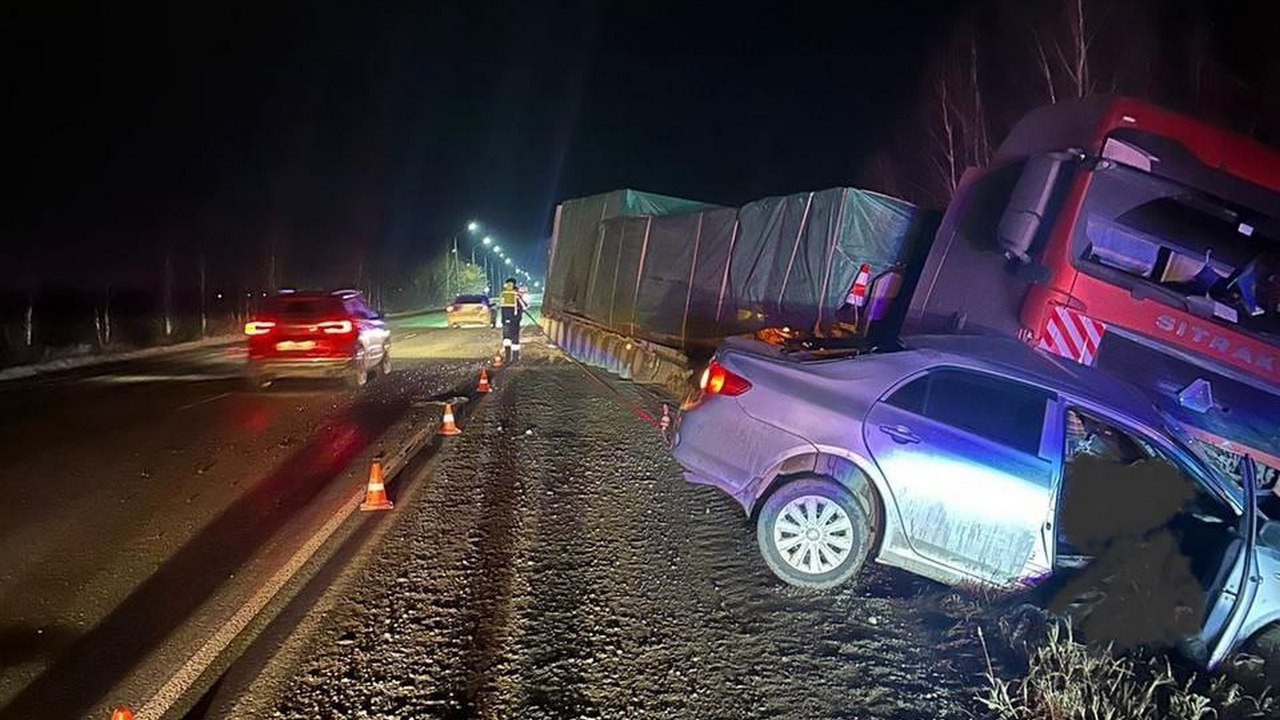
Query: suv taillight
[716,380]
[258,327]
[336,327]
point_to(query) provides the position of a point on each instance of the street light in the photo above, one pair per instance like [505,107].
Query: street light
[473,226]
[508,261]
[487,240]
[497,249]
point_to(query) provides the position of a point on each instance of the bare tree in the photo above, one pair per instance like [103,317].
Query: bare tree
[167,299]
[1046,72]
[959,132]
[981,139]
[1074,53]
[28,324]
[945,136]
[204,311]
[102,319]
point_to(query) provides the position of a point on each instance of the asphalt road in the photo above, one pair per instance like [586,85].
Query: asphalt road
[145,499]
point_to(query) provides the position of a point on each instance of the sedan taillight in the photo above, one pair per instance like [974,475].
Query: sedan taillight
[717,380]
[258,327]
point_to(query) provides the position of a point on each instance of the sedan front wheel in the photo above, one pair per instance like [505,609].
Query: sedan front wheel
[813,533]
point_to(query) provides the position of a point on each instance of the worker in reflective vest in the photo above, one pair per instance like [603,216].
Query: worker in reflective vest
[512,305]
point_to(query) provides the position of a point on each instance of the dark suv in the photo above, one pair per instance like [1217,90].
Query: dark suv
[317,335]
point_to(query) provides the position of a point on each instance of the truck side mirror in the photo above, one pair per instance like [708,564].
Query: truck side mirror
[1028,204]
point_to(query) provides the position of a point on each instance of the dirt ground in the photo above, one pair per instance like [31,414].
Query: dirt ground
[555,564]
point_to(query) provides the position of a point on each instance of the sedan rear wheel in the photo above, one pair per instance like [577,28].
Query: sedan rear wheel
[813,533]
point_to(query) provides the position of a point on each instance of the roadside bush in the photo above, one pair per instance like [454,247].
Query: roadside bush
[1068,680]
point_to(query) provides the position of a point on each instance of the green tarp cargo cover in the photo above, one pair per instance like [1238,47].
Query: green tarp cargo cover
[679,272]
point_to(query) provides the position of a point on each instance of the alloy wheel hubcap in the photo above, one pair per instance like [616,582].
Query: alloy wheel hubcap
[813,534]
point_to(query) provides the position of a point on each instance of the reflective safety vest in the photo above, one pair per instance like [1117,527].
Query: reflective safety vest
[508,298]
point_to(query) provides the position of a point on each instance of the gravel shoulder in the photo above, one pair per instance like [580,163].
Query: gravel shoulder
[552,563]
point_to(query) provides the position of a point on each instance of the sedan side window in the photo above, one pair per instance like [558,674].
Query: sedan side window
[1003,411]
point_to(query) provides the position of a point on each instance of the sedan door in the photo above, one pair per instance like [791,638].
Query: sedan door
[971,469]
[1235,597]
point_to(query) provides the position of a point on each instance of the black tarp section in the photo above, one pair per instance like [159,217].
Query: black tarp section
[701,275]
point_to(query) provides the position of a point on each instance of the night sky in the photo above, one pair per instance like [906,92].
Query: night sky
[345,133]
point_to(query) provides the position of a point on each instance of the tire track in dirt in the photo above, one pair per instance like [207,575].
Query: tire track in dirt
[550,664]
[499,542]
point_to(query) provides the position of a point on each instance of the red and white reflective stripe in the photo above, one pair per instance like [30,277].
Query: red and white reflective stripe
[857,296]
[1072,335]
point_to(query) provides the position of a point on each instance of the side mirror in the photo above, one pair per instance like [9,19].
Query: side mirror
[1029,202]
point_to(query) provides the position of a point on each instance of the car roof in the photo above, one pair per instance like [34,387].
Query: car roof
[1017,360]
[344,294]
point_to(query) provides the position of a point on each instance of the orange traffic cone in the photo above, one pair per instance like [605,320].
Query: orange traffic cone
[497,361]
[447,427]
[375,497]
[483,387]
[122,713]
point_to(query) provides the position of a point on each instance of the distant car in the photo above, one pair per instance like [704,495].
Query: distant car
[949,458]
[317,335]
[470,310]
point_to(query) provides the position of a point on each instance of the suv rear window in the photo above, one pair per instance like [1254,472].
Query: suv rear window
[305,308]
[471,300]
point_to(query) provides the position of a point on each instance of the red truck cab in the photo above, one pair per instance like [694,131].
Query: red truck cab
[1125,236]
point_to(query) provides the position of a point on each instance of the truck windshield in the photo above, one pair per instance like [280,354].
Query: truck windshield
[1149,230]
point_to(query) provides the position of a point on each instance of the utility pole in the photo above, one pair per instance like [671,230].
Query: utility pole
[457,265]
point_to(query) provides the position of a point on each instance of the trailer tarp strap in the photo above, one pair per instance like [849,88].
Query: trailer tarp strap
[693,269]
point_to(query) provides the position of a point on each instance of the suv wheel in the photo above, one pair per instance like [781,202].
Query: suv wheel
[358,375]
[256,380]
[384,367]
[813,533]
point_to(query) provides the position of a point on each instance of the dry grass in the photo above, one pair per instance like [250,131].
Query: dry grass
[1067,680]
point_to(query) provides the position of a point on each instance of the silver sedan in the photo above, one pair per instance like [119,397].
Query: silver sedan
[961,459]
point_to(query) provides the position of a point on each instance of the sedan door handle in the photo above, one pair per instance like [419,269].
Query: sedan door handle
[900,433]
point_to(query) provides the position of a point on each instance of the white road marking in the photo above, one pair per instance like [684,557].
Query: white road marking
[177,686]
[210,399]
[182,680]
[189,377]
